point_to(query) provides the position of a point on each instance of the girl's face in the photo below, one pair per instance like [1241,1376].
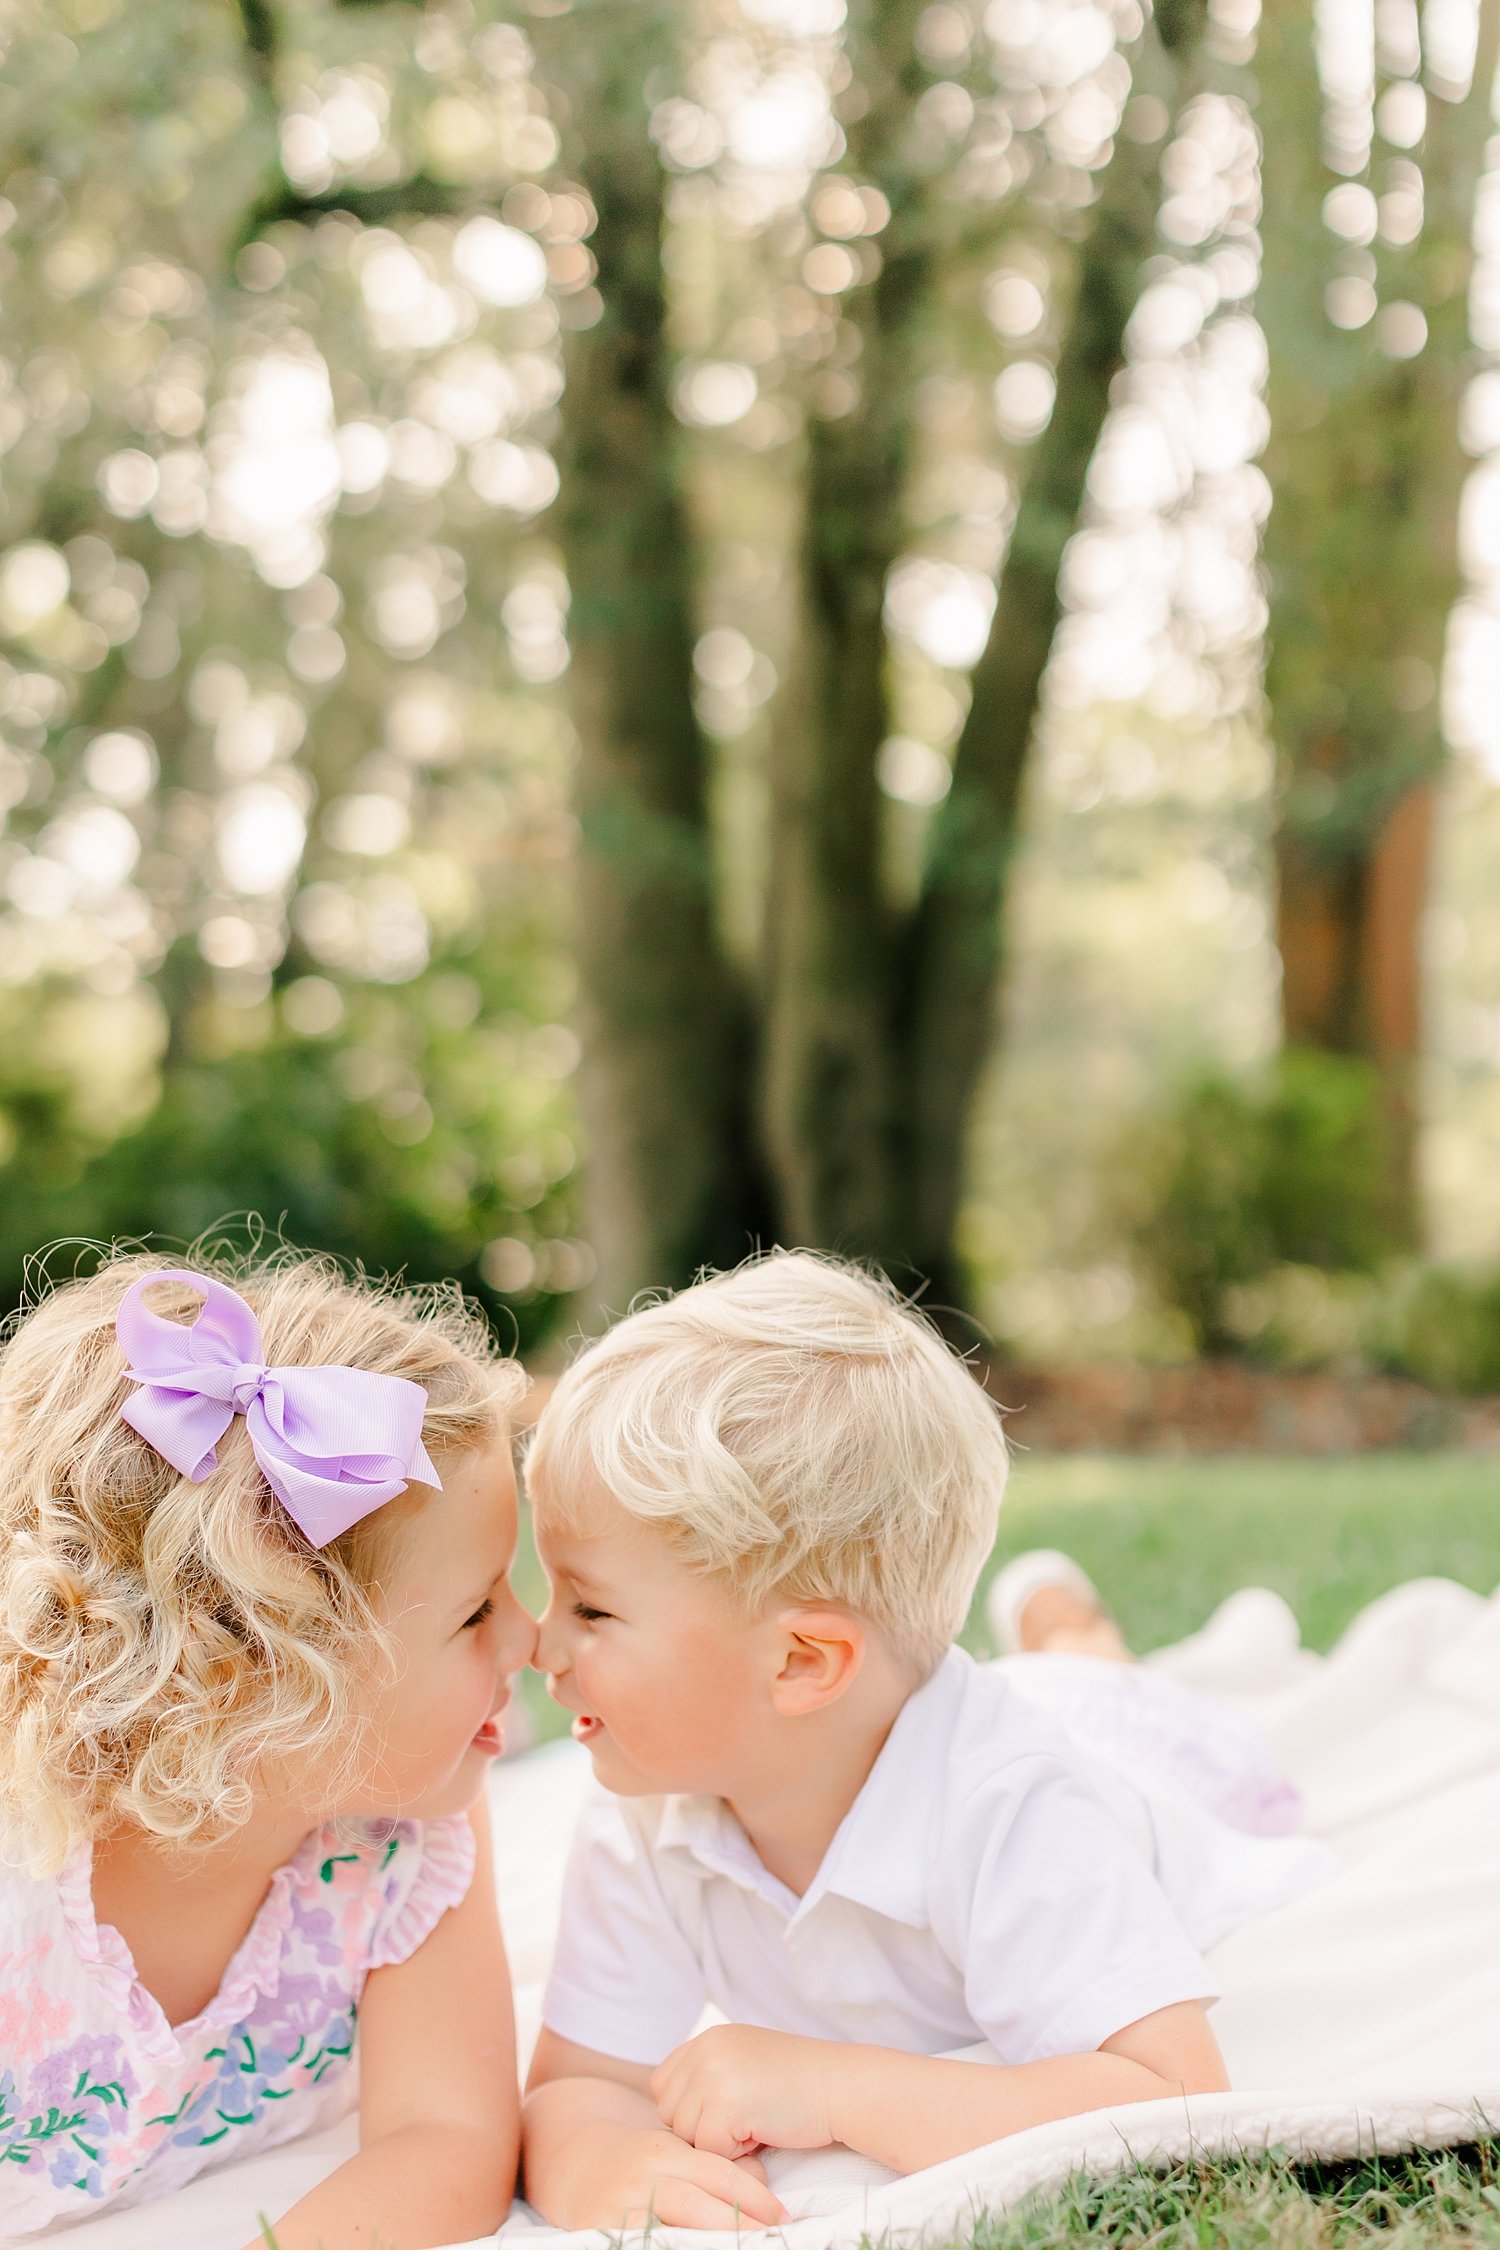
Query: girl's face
[460,1638]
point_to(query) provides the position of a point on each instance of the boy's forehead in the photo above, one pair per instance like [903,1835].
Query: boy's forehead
[578,1516]
[586,1525]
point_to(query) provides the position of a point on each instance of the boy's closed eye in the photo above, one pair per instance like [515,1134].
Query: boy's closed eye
[485,1609]
[589,1615]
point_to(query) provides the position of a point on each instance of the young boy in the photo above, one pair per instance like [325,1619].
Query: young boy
[763,1506]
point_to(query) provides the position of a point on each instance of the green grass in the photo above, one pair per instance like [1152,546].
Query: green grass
[1166,1540]
[1422,2202]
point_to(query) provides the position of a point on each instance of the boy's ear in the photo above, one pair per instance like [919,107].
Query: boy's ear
[821,1652]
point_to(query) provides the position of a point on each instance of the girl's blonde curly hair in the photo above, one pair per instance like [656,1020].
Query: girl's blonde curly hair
[160,1639]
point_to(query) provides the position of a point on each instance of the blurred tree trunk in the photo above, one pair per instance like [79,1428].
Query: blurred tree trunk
[877,1034]
[667,1033]
[956,953]
[1366,472]
[827,1083]
[662,1077]
[874,1028]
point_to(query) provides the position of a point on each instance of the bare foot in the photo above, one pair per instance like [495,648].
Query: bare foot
[1058,1621]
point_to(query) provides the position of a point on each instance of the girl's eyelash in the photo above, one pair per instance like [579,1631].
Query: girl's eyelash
[589,1616]
[485,1609]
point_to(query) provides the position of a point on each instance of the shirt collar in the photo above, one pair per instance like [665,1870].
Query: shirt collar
[703,1835]
[882,1851]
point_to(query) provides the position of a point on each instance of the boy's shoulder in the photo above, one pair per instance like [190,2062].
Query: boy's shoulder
[968,1727]
[967,1747]
[978,1797]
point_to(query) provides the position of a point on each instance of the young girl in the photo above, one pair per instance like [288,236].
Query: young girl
[256,1641]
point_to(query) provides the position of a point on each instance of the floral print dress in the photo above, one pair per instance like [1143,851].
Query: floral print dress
[102,2101]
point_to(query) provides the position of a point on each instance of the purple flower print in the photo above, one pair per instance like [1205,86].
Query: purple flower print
[257,2069]
[73,2103]
[317,1929]
[111,2111]
[88,2064]
[307,2003]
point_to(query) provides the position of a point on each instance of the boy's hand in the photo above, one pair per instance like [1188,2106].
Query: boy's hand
[626,2177]
[734,2088]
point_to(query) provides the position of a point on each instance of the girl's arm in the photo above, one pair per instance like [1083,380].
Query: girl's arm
[439,2108]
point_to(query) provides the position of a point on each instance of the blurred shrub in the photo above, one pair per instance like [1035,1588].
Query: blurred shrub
[1442,1325]
[1302,1317]
[1324,1185]
[1234,1181]
[403,1143]
[1259,1219]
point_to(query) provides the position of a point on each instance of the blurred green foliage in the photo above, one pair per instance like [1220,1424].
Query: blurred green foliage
[282,903]
[1238,1178]
[1442,1324]
[1262,1221]
[403,1136]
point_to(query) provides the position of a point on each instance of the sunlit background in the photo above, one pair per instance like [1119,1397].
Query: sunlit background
[288,750]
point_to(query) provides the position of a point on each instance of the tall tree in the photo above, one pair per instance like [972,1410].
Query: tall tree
[1364,305]
[662,1079]
[827,1091]
[879,1021]
[955,946]
[872,1023]
[832,1105]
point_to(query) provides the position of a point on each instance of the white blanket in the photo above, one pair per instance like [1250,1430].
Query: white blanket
[1366,2015]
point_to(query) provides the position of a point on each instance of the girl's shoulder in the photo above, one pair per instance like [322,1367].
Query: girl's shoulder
[100,2096]
[37,1967]
[360,1895]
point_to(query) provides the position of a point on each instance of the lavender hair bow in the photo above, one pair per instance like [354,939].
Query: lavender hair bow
[333,1443]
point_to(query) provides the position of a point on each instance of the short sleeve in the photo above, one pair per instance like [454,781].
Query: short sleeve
[427,1867]
[625,1980]
[1062,1930]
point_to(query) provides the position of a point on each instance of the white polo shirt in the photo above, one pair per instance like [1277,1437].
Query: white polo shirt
[979,1888]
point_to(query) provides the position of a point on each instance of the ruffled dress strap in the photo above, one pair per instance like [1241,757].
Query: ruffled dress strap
[429,1866]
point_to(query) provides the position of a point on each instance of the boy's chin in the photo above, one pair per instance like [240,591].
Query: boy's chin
[616,1774]
[613,1774]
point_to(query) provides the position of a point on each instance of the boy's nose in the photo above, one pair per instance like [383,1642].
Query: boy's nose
[549,1654]
[522,1650]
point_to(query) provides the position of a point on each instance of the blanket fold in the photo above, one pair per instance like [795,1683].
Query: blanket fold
[1363,2016]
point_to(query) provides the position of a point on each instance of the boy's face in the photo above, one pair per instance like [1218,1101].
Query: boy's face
[667,1679]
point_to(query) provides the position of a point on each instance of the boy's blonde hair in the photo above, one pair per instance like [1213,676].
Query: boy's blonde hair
[798,1429]
[159,1638]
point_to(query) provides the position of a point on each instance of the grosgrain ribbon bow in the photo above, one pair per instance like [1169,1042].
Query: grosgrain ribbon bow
[333,1443]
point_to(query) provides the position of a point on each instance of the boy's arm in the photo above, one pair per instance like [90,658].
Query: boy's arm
[596,2154]
[734,2088]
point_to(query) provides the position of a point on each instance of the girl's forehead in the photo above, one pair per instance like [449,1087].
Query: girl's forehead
[473,1517]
